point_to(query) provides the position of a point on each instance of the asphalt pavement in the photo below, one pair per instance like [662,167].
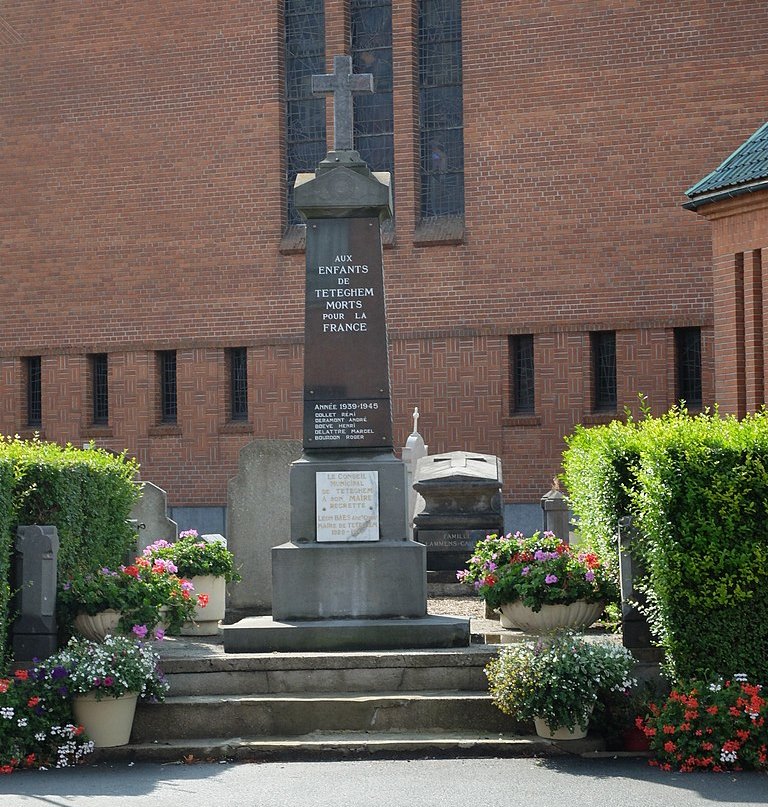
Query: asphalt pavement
[551,782]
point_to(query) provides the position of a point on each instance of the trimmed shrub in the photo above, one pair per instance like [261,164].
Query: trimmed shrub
[87,494]
[697,488]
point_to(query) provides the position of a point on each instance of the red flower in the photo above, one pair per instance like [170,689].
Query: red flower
[33,701]
[6,769]
[489,580]
[669,746]
[707,746]
[668,729]
[202,600]
[132,571]
[22,675]
[712,709]
[30,760]
[4,684]
[742,735]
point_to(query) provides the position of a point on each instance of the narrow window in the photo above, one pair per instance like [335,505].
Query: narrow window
[371,22]
[168,398]
[441,109]
[604,370]
[688,365]
[305,114]
[99,389]
[522,374]
[33,370]
[238,383]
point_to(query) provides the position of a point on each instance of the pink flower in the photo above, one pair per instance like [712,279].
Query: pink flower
[140,630]
[159,634]
[550,579]
[590,576]
[108,681]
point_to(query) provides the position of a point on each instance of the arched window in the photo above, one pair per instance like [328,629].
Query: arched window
[305,114]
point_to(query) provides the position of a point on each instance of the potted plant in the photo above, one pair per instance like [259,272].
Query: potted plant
[135,598]
[209,565]
[105,679]
[539,583]
[713,725]
[555,681]
[37,729]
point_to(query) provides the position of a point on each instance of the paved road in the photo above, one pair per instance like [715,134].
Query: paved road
[570,782]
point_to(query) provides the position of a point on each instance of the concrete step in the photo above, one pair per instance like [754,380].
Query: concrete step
[265,716]
[340,745]
[273,673]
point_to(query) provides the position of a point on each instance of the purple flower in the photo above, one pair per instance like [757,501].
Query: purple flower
[491,566]
[477,585]
[139,630]
[525,570]
[159,634]
[63,691]
[59,672]
[97,681]
[67,586]
[590,576]
[550,579]
[462,574]
[108,680]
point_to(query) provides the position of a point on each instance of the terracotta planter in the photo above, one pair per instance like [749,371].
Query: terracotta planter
[633,739]
[107,722]
[96,626]
[577,615]
[206,620]
[543,731]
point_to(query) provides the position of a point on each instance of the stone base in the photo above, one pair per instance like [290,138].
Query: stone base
[377,580]
[266,635]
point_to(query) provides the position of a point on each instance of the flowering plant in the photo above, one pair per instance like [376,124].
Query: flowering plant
[36,725]
[537,570]
[720,725]
[558,678]
[193,555]
[117,666]
[138,592]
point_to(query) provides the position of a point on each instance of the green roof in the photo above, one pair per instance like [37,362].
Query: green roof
[748,164]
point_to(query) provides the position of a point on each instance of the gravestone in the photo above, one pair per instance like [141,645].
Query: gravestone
[150,513]
[350,577]
[555,513]
[258,515]
[462,504]
[35,577]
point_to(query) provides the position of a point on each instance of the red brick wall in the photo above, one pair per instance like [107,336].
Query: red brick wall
[141,174]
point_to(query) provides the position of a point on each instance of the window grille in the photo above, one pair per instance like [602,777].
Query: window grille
[688,365]
[521,355]
[100,388]
[441,108]
[34,391]
[604,370]
[168,394]
[305,114]
[238,378]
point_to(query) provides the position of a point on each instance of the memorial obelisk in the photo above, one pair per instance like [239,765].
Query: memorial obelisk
[350,577]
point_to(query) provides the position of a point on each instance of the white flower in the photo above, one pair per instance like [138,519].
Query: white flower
[6,712]
[740,677]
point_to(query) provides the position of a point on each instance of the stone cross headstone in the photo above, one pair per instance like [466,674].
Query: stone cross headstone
[35,576]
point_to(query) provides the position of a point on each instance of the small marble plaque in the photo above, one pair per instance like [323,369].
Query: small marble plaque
[347,505]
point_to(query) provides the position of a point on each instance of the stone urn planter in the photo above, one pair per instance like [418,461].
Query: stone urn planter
[108,722]
[577,615]
[96,626]
[543,730]
[205,621]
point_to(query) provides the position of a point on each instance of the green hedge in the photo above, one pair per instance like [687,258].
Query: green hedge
[697,488]
[87,494]
[6,549]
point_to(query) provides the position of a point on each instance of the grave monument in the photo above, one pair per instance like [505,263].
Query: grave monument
[350,577]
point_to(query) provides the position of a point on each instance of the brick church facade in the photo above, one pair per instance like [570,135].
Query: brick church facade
[541,270]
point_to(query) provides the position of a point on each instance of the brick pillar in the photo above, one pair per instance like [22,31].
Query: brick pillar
[728,286]
[753,331]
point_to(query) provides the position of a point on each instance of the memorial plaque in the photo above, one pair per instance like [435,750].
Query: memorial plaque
[346,371]
[347,505]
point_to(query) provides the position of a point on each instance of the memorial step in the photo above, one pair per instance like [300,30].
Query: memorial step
[352,745]
[194,717]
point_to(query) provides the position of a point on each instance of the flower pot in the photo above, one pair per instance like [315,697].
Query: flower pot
[96,626]
[543,730]
[107,722]
[577,615]
[634,739]
[206,619]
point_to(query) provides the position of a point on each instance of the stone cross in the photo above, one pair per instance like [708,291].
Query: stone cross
[416,420]
[342,83]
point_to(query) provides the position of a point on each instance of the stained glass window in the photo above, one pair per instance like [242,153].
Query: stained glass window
[688,365]
[100,388]
[33,369]
[521,359]
[168,396]
[238,379]
[305,114]
[372,53]
[441,108]
[604,370]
